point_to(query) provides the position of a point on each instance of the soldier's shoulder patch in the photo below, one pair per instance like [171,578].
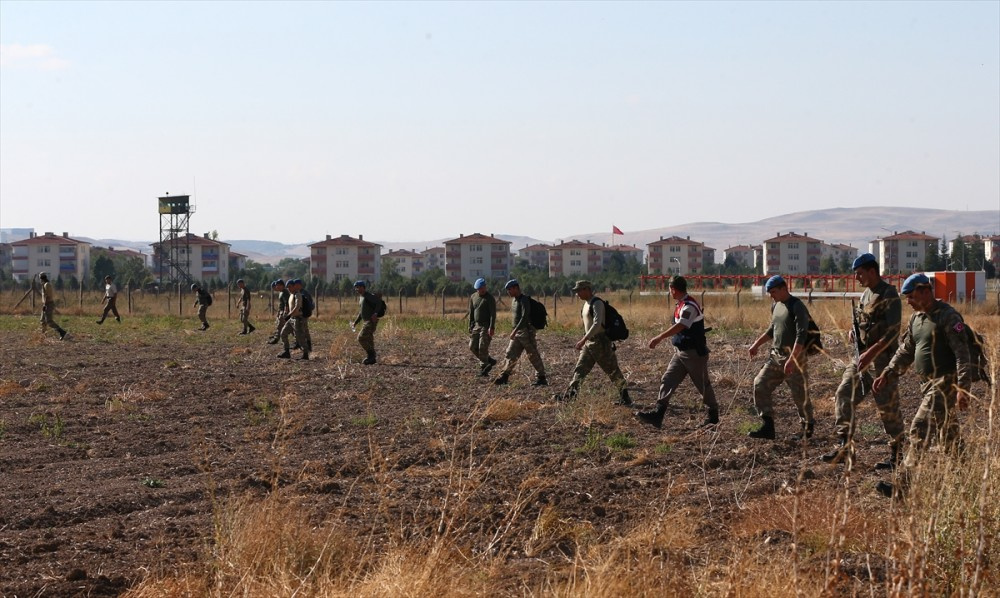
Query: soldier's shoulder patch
[959,326]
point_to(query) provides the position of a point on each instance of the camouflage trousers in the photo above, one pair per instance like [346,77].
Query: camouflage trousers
[300,328]
[202,311]
[523,342]
[245,316]
[600,351]
[366,338]
[854,388]
[279,323]
[682,364]
[479,343]
[770,378]
[46,319]
[936,418]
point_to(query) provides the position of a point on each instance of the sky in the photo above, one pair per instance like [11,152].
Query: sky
[412,121]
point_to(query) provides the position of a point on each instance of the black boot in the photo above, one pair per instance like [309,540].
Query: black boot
[623,398]
[370,359]
[484,370]
[711,419]
[502,379]
[284,355]
[252,328]
[62,333]
[653,417]
[805,433]
[540,381]
[569,395]
[305,356]
[766,431]
[891,462]
[273,340]
[838,453]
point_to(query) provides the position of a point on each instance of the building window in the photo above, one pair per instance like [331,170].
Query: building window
[45,249]
[793,256]
[793,245]
[675,249]
[342,264]
[341,251]
[475,248]
[477,260]
[772,245]
[574,263]
[574,252]
[44,262]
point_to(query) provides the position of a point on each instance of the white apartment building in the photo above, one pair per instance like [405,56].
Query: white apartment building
[675,255]
[742,255]
[902,253]
[839,252]
[575,258]
[536,255]
[477,256]
[991,246]
[792,253]
[203,258]
[58,256]
[336,258]
[433,257]
[406,263]
[629,252]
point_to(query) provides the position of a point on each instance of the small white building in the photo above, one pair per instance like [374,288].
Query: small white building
[58,256]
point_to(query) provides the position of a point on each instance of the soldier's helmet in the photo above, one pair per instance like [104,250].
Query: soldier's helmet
[43,276]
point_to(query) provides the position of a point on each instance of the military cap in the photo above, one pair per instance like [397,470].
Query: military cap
[511,283]
[915,281]
[863,260]
[360,283]
[774,281]
[480,283]
[581,284]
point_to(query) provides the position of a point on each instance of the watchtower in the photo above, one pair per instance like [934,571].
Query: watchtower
[173,254]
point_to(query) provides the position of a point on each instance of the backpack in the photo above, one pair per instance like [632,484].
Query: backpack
[206,298]
[814,339]
[308,305]
[538,316]
[614,323]
[978,362]
[381,307]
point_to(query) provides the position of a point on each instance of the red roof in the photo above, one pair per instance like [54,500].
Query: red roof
[476,238]
[674,240]
[402,253]
[792,237]
[193,239]
[908,235]
[48,239]
[537,247]
[574,244]
[343,240]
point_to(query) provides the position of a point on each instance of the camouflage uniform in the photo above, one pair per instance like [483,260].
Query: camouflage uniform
[244,306]
[296,324]
[524,339]
[597,350]
[690,356]
[282,316]
[48,308]
[879,316]
[935,344]
[482,319]
[202,302]
[366,338]
[789,325]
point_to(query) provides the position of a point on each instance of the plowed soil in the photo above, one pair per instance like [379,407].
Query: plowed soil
[119,444]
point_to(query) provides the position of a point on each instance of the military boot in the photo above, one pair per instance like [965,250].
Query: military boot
[892,462]
[805,433]
[569,395]
[484,370]
[370,360]
[623,398]
[252,328]
[305,356]
[711,419]
[502,379]
[653,417]
[766,431]
[540,381]
[284,355]
[838,453]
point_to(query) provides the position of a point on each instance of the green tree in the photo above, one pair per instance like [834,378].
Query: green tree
[102,267]
[959,254]
[943,257]
[932,261]
[133,272]
[828,265]
[292,267]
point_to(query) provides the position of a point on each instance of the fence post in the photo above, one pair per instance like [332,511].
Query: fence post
[81,297]
[400,300]
[738,291]
[443,291]
[180,299]
[128,298]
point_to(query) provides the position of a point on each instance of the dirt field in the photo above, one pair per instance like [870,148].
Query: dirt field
[121,446]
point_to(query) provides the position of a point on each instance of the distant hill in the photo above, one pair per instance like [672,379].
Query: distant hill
[853,226]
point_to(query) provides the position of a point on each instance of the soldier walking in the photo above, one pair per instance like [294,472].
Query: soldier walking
[202,300]
[690,357]
[878,316]
[110,300]
[595,347]
[49,306]
[522,337]
[282,313]
[787,361]
[243,304]
[935,344]
[368,313]
[482,325]
[297,322]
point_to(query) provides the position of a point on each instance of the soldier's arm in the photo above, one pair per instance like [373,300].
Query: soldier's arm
[597,325]
[954,331]
[525,309]
[903,357]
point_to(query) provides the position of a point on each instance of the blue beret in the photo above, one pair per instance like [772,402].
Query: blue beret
[360,283]
[480,283]
[279,281]
[774,281]
[511,283]
[913,282]
[863,260]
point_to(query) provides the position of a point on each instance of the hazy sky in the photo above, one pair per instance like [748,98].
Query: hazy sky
[414,121]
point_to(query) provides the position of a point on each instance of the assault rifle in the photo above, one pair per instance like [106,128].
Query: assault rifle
[857,345]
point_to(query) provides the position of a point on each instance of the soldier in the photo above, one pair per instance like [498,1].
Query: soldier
[243,304]
[110,300]
[202,300]
[522,337]
[935,344]
[49,306]
[482,325]
[368,313]
[282,314]
[297,322]
[690,357]
[595,347]
[878,317]
[787,362]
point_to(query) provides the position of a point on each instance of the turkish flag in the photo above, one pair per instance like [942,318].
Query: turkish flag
[616,231]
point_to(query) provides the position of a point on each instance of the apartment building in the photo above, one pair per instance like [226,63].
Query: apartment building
[119,254]
[573,258]
[841,253]
[477,256]
[536,255]
[237,261]
[59,256]
[433,257]
[405,262]
[991,246]
[792,253]
[336,258]
[676,255]
[739,255]
[629,252]
[902,253]
[203,258]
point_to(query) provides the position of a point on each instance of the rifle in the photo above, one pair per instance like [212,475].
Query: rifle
[857,345]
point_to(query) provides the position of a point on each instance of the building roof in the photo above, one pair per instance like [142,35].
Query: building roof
[908,235]
[623,248]
[475,238]
[344,240]
[433,250]
[193,239]
[674,240]
[237,254]
[574,244]
[536,247]
[738,248]
[48,239]
[792,236]
[403,253]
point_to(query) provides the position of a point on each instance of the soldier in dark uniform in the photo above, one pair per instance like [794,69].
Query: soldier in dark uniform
[482,325]
[243,304]
[368,313]
[49,306]
[202,300]
[522,337]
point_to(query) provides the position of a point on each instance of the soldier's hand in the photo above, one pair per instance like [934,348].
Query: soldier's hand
[878,384]
[579,345]
[962,399]
[753,351]
[491,332]
[653,342]
[850,336]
